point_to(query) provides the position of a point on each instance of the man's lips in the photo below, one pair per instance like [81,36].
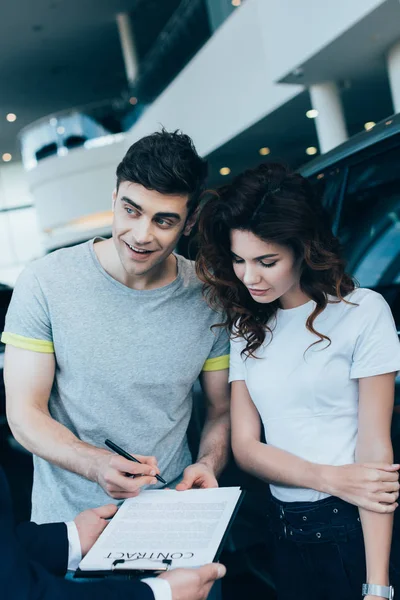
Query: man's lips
[138,253]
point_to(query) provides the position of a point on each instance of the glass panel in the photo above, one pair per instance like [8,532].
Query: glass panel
[370,219]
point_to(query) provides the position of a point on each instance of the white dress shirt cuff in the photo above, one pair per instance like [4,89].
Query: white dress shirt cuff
[161,588]
[74,546]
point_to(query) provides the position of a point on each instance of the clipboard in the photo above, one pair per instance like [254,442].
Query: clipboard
[120,567]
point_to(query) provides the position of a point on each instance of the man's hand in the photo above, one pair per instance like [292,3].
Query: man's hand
[193,584]
[373,486]
[90,524]
[122,478]
[198,475]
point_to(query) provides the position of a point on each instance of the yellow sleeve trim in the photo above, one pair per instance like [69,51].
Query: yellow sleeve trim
[217,364]
[19,341]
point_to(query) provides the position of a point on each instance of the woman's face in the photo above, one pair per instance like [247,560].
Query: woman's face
[269,271]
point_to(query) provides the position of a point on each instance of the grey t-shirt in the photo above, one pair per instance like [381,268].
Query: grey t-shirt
[126,361]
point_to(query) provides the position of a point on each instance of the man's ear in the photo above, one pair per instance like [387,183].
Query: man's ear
[190,223]
[114,198]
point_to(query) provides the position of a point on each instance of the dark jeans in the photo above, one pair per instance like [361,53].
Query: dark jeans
[319,550]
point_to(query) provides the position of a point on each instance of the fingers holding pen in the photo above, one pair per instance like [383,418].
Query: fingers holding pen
[112,474]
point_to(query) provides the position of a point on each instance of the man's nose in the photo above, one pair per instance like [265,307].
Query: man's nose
[142,232]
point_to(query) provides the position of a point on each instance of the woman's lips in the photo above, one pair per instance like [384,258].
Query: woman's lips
[255,292]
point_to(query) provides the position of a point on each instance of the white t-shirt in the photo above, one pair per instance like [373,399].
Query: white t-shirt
[308,401]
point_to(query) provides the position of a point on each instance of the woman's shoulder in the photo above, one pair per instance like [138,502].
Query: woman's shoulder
[365,297]
[368,303]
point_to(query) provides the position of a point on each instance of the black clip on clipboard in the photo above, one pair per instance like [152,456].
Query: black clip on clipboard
[118,567]
[121,567]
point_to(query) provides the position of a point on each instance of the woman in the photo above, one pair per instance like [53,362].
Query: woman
[314,358]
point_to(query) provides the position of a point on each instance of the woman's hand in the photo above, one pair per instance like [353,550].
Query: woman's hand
[373,486]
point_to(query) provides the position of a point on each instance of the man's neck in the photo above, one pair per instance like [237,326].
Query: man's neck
[162,274]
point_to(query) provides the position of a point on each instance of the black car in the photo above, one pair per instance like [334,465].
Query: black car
[360,185]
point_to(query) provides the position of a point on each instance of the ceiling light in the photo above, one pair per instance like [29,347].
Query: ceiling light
[369,125]
[53,121]
[320,176]
[264,151]
[6,157]
[133,100]
[11,117]
[311,150]
[236,2]
[389,122]
[225,171]
[61,130]
[312,114]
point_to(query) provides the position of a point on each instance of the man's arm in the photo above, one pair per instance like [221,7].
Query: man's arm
[373,486]
[376,398]
[215,438]
[46,544]
[28,378]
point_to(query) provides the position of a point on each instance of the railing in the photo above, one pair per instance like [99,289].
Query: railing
[87,126]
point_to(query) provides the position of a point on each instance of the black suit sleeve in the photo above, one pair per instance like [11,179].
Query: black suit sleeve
[25,579]
[46,544]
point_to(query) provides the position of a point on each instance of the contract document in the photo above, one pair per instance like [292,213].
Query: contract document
[184,528]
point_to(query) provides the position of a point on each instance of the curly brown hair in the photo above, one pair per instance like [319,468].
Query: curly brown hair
[278,206]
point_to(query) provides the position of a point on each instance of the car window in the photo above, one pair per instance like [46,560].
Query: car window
[327,186]
[370,220]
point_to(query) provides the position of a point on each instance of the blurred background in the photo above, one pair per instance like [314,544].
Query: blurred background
[315,84]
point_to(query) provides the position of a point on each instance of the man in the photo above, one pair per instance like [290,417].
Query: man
[106,339]
[33,554]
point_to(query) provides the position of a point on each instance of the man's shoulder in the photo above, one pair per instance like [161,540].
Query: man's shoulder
[58,262]
[187,269]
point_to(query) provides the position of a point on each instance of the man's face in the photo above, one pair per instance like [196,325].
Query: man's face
[146,226]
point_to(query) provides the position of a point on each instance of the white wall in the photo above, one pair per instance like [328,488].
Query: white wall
[230,84]
[294,31]
[20,239]
[80,183]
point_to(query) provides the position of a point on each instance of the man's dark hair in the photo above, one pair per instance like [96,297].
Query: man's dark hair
[166,162]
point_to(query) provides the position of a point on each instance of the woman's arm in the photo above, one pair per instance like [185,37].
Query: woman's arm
[376,398]
[372,486]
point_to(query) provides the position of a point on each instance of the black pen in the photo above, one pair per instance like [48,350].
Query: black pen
[125,454]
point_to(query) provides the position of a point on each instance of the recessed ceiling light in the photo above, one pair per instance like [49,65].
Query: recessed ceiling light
[312,113]
[264,151]
[53,121]
[320,176]
[61,130]
[6,157]
[369,125]
[11,117]
[236,2]
[133,100]
[311,150]
[389,122]
[225,171]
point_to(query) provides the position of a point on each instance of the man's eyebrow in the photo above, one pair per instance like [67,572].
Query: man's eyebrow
[164,215]
[131,202]
[168,215]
